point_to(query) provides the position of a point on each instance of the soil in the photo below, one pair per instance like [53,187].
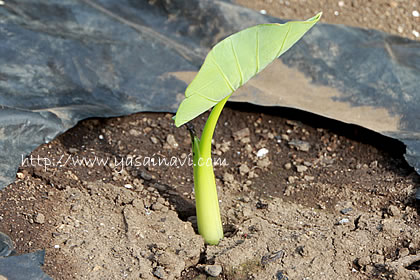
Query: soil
[302,197]
[398,17]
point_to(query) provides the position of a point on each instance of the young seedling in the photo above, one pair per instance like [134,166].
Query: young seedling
[229,65]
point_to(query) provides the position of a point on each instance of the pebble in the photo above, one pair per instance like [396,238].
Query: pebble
[145,175]
[39,218]
[128,186]
[394,211]
[159,272]
[291,179]
[415,13]
[73,150]
[157,206]
[343,221]
[263,163]
[213,270]
[154,140]
[1,276]
[301,168]
[243,169]
[416,33]
[228,178]
[300,145]
[309,178]
[262,152]
[170,139]
[285,137]
[241,133]
[287,166]
[160,187]
[281,276]
[346,210]
[134,132]
[363,261]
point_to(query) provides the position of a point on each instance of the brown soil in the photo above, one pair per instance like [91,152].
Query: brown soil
[398,17]
[337,205]
[348,214]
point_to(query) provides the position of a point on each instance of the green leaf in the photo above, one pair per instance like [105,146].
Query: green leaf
[235,60]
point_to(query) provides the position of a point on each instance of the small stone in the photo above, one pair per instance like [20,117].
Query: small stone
[287,166]
[145,175]
[134,132]
[262,152]
[2,277]
[20,175]
[213,270]
[309,178]
[243,169]
[154,140]
[248,148]
[160,187]
[415,13]
[73,150]
[394,211]
[301,168]
[373,164]
[170,139]
[343,221]
[241,133]
[285,137]
[341,3]
[291,179]
[263,163]
[39,218]
[157,206]
[377,259]
[288,191]
[300,145]
[159,272]
[346,210]
[228,178]
[245,140]
[128,186]
[363,261]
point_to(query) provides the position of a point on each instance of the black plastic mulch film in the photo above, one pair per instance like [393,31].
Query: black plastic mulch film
[64,61]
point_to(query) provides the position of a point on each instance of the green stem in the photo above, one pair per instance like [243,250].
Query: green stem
[207,203]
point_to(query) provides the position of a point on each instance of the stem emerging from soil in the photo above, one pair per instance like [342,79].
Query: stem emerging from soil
[206,200]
